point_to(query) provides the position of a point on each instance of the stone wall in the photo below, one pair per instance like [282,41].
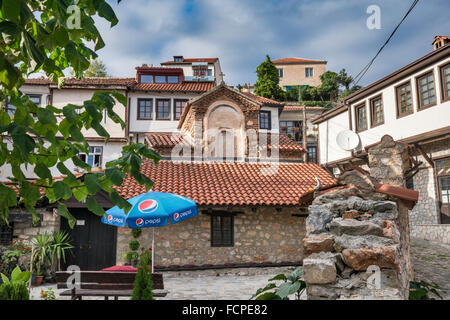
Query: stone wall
[346,235]
[434,232]
[426,211]
[357,244]
[25,230]
[259,236]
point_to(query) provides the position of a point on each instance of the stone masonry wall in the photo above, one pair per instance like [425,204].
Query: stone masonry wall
[357,244]
[264,235]
[426,211]
[346,235]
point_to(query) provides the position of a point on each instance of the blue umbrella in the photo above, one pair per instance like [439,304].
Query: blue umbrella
[152,209]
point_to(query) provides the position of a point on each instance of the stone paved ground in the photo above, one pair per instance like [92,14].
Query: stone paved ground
[431,262]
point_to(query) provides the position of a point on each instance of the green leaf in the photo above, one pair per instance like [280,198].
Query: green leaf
[25,144]
[115,175]
[268,296]
[63,212]
[5,278]
[8,197]
[42,171]
[120,97]
[105,11]
[280,276]
[80,193]
[94,207]
[93,185]
[11,9]
[62,190]
[117,200]
[46,116]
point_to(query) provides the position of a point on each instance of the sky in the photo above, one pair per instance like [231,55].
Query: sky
[241,32]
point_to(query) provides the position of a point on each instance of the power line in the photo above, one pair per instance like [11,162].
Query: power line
[361,74]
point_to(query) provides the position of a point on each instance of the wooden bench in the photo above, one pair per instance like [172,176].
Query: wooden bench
[105,283]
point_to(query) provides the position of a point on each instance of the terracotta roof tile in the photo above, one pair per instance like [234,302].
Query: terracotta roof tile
[182,87]
[190,60]
[165,140]
[285,143]
[238,183]
[295,60]
[263,100]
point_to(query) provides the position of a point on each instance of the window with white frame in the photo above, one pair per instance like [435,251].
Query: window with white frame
[309,72]
[94,158]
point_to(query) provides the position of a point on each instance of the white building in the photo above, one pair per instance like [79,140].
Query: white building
[412,105]
[197,69]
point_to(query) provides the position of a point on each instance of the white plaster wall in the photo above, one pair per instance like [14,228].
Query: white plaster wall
[328,130]
[77,96]
[419,122]
[154,125]
[111,151]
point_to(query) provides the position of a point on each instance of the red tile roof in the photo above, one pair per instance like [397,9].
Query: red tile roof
[128,82]
[298,108]
[296,60]
[181,87]
[190,60]
[263,100]
[285,143]
[238,183]
[165,139]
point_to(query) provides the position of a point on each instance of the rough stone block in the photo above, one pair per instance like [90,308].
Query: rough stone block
[319,270]
[361,259]
[354,227]
[390,231]
[318,219]
[354,242]
[317,244]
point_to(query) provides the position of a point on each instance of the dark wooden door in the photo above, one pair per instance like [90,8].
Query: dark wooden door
[94,242]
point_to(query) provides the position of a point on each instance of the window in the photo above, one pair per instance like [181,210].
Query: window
[312,154]
[361,117]
[445,82]
[172,79]
[94,158]
[145,78]
[309,72]
[178,106]
[145,107]
[36,98]
[264,120]
[209,72]
[222,230]
[160,79]
[280,73]
[426,90]
[293,129]
[6,233]
[162,109]
[404,100]
[200,72]
[376,111]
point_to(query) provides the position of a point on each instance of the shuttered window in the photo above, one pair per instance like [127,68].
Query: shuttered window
[222,230]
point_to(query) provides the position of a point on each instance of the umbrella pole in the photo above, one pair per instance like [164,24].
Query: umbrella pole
[153,247]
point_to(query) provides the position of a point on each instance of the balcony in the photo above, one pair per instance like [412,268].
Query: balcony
[195,78]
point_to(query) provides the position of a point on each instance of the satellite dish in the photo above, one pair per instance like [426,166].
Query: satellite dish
[347,140]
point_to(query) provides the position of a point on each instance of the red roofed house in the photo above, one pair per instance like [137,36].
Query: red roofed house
[220,147]
[299,72]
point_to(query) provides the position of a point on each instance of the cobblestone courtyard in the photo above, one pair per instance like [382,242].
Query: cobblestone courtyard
[431,263]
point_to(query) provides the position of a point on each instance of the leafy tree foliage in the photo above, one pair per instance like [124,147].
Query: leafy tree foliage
[96,69]
[36,36]
[268,80]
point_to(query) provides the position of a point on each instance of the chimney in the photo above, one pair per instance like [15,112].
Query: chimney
[178,58]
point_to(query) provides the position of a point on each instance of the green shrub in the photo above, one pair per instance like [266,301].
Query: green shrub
[136,233]
[134,245]
[16,288]
[142,289]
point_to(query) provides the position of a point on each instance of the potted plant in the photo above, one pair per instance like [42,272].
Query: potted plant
[59,247]
[42,254]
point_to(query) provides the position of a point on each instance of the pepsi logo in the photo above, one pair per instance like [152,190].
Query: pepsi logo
[139,222]
[176,216]
[110,218]
[148,206]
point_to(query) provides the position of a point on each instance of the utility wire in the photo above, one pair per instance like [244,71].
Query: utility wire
[361,74]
